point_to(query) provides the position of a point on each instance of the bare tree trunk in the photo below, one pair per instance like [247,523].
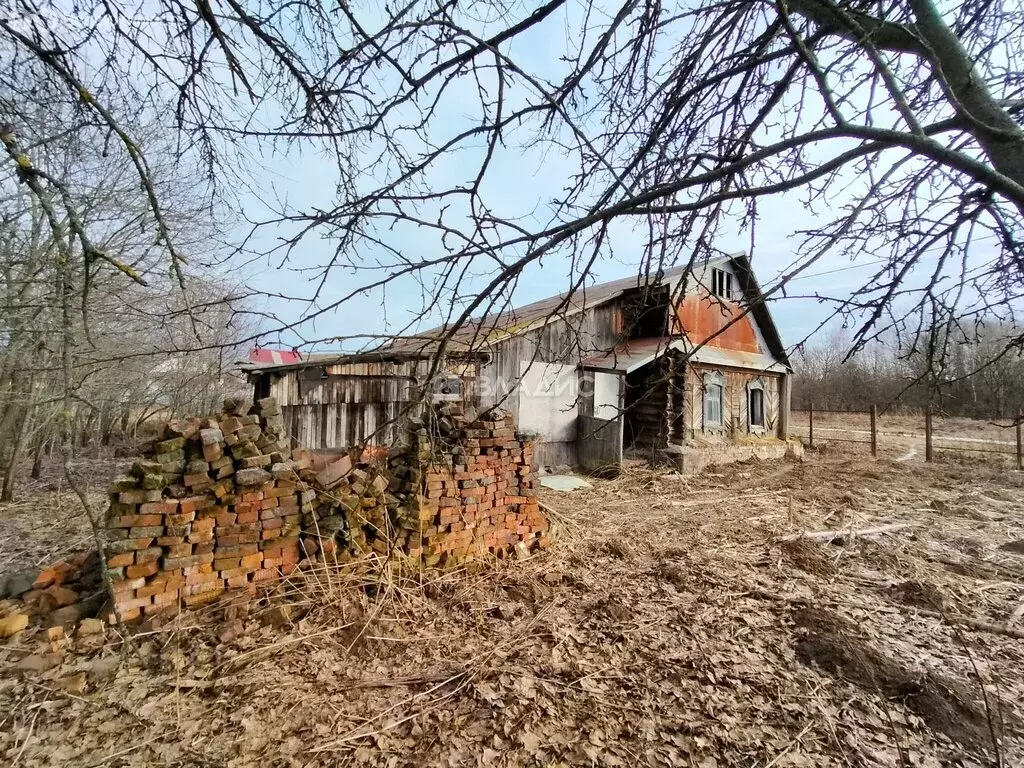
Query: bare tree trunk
[7,492]
[37,457]
[107,421]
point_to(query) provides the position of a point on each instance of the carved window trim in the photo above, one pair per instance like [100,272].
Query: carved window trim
[713,401]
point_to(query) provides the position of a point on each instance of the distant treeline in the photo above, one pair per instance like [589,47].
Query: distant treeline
[981,377]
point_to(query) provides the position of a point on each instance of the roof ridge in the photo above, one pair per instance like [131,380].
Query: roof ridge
[618,286]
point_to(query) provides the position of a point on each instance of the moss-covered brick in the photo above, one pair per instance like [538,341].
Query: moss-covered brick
[124,483]
[153,482]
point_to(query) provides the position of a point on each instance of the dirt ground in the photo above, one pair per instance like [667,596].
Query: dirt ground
[670,624]
[46,519]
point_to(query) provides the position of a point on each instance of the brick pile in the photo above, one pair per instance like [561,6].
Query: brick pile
[62,593]
[223,503]
[465,489]
[349,516]
[214,504]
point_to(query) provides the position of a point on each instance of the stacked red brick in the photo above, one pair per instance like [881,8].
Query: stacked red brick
[221,503]
[465,489]
[214,504]
[62,593]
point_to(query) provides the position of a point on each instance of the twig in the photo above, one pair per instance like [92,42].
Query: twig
[283,643]
[852,533]
[403,682]
[789,746]
[352,733]
[126,750]
[977,624]
[28,738]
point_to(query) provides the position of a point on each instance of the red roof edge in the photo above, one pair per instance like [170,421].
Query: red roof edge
[274,356]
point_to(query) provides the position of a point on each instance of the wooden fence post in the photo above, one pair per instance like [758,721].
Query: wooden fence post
[811,411]
[1020,445]
[928,434]
[874,431]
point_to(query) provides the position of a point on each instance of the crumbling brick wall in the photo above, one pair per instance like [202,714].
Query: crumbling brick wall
[223,503]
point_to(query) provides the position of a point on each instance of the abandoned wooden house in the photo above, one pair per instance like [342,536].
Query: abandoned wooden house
[686,365]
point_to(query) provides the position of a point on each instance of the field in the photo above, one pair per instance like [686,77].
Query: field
[903,436]
[672,623]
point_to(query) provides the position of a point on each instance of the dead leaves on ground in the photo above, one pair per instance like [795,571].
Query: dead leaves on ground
[659,631]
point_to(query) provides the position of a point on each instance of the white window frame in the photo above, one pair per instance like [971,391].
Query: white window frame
[721,283]
[713,379]
[757,385]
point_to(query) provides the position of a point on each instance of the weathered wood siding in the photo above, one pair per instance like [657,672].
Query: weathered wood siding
[354,404]
[734,405]
[566,341]
[600,443]
[344,412]
[645,407]
[345,406]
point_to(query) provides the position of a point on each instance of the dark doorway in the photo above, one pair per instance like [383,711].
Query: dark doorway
[645,407]
[645,313]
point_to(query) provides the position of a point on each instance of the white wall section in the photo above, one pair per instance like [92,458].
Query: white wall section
[548,400]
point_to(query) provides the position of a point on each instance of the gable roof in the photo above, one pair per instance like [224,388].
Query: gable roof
[495,327]
[759,307]
[501,325]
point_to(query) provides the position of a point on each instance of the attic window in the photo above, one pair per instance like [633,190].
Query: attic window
[721,283]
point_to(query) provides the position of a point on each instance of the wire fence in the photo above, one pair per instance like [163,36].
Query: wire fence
[985,436]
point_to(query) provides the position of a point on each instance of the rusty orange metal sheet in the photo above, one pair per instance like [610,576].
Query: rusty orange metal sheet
[701,317]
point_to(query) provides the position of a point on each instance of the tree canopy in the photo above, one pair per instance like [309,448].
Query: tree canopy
[895,123]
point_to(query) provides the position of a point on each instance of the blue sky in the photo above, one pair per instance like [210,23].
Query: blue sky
[525,177]
[310,181]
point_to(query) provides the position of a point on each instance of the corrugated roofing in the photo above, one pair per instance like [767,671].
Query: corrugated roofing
[499,325]
[263,356]
[297,360]
[328,359]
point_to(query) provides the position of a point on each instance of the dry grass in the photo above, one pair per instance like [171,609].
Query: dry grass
[666,626]
[46,521]
[955,439]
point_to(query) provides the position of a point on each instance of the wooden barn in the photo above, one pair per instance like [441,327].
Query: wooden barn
[674,364]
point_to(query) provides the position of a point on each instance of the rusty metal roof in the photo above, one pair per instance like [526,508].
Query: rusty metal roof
[500,325]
